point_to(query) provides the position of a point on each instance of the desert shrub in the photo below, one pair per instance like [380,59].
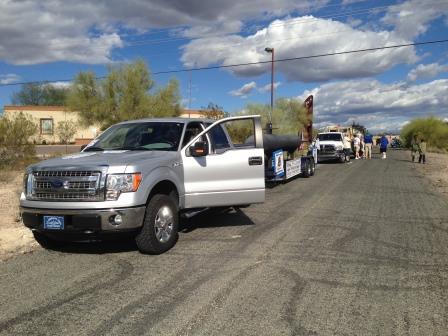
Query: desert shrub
[15,134]
[66,130]
[432,129]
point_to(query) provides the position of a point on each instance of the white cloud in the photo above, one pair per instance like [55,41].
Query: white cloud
[267,87]
[426,71]
[378,106]
[410,18]
[349,2]
[87,30]
[245,90]
[302,36]
[9,78]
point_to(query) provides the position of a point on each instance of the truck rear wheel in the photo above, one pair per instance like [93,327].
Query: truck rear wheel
[307,171]
[313,167]
[160,226]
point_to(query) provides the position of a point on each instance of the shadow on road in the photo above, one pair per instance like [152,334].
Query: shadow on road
[219,217]
[98,247]
[215,218]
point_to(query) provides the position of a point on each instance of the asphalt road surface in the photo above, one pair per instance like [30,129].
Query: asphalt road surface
[359,249]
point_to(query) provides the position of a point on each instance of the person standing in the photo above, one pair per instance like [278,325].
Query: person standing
[414,147]
[357,145]
[422,151]
[383,146]
[347,147]
[368,142]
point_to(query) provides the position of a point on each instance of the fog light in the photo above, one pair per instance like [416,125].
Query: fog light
[116,220]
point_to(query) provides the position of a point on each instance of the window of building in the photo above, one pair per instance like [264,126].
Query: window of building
[46,126]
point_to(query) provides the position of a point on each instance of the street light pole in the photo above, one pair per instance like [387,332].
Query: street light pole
[269,125]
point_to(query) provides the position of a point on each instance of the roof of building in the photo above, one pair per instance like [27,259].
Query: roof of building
[34,108]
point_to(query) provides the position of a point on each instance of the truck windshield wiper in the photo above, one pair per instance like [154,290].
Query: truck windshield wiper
[93,149]
[133,148]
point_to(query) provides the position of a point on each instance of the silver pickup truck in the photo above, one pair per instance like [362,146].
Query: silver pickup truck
[137,177]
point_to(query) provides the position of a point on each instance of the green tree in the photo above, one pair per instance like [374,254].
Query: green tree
[214,112]
[15,134]
[288,117]
[66,130]
[40,94]
[432,129]
[125,94]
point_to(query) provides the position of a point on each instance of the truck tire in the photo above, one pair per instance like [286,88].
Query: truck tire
[160,226]
[308,169]
[313,167]
[46,242]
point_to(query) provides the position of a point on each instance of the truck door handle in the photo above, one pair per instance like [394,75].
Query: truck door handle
[255,161]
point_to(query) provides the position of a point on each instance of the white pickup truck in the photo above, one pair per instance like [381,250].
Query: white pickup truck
[137,176]
[333,146]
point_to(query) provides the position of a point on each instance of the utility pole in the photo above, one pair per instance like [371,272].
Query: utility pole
[269,125]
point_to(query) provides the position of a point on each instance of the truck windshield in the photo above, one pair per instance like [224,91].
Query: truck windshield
[330,137]
[162,136]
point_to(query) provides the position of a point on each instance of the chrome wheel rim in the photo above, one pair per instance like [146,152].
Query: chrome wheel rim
[163,224]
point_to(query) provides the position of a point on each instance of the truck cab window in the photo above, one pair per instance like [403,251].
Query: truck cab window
[193,129]
[219,139]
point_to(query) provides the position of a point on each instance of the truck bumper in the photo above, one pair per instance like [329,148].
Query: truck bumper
[325,156]
[88,221]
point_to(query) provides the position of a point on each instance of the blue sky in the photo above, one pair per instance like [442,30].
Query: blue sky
[52,40]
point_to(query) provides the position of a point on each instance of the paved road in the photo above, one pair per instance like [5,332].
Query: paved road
[360,249]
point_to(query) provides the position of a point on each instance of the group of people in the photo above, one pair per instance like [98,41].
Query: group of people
[362,146]
[418,146]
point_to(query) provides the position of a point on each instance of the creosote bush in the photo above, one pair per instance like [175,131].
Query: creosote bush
[15,144]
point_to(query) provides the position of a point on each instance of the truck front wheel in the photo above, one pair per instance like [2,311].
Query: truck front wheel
[160,226]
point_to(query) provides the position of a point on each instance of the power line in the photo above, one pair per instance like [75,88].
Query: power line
[289,59]
[303,57]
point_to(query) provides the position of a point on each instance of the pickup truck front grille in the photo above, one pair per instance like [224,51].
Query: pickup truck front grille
[63,185]
[327,148]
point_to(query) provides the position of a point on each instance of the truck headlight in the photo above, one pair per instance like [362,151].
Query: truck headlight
[339,147]
[28,183]
[121,183]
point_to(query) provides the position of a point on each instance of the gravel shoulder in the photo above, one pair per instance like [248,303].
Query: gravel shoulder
[14,237]
[436,170]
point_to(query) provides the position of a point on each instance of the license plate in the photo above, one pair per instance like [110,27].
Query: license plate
[54,222]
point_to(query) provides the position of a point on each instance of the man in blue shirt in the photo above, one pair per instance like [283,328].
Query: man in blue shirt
[368,141]
[383,146]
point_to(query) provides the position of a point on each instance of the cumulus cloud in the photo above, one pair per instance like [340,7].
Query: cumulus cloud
[302,36]
[87,31]
[9,78]
[411,18]
[245,90]
[267,87]
[378,106]
[426,71]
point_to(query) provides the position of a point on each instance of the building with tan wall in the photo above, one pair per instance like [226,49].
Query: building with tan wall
[47,118]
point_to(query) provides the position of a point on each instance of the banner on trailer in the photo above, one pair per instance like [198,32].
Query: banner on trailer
[277,163]
[293,168]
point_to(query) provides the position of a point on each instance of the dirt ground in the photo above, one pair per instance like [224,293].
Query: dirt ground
[436,169]
[16,239]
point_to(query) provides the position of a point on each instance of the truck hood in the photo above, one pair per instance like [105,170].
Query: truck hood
[117,158]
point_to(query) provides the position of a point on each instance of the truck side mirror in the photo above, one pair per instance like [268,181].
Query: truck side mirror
[200,148]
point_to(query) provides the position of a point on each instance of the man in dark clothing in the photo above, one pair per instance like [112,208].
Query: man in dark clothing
[383,146]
